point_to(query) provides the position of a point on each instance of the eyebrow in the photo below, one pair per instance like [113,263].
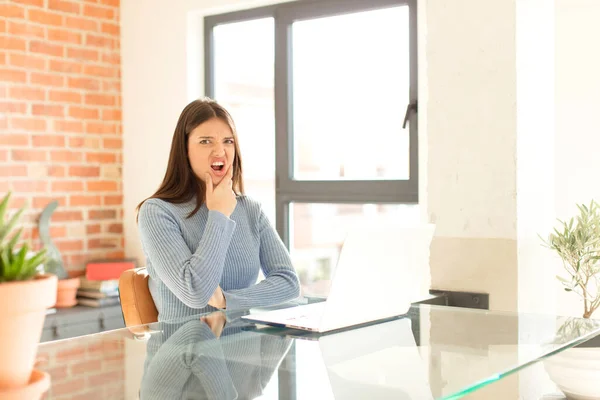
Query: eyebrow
[212,137]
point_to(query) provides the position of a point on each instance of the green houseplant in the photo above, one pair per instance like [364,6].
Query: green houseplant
[15,264]
[25,294]
[576,371]
[577,242]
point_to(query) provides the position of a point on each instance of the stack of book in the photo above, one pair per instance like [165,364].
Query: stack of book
[100,285]
[101,293]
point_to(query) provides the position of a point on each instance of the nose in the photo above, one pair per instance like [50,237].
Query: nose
[218,150]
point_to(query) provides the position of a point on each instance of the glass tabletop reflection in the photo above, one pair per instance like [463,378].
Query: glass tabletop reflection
[433,352]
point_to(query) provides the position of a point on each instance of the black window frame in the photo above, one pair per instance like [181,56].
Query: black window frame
[288,190]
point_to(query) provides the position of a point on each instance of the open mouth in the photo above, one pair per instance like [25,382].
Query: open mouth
[217,166]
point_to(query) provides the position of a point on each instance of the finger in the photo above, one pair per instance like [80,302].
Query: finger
[209,183]
[229,175]
[227,178]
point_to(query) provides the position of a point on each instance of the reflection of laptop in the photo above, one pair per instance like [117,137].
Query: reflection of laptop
[375,279]
[380,362]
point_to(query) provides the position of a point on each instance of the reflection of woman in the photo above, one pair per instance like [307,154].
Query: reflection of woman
[188,360]
[204,241]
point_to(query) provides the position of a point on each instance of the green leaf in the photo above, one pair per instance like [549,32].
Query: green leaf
[14,264]
[5,263]
[4,230]
[19,262]
[13,242]
[3,206]
[563,280]
[36,260]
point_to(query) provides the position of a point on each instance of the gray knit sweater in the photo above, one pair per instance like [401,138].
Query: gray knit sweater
[187,258]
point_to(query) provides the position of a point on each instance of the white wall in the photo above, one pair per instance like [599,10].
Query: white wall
[535,152]
[535,27]
[471,168]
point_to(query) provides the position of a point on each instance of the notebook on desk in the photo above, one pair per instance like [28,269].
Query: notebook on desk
[375,279]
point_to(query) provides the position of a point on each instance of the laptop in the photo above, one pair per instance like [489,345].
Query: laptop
[375,279]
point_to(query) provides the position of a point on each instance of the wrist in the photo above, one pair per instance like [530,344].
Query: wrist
[219,213]
[225,213]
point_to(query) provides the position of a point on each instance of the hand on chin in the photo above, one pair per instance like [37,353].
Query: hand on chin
[219,194]
[216,180]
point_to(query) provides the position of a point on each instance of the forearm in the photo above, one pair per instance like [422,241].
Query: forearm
[277,288]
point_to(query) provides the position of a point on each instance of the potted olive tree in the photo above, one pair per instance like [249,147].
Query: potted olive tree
[577,242]
[25,294]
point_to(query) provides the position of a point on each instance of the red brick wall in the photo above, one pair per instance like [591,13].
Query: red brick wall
[85,371]
[60,121]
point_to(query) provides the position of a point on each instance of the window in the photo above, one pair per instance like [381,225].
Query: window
[324,96]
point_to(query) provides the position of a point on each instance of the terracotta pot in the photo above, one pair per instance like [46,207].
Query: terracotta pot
[67,292]
[37,386]
[22,317]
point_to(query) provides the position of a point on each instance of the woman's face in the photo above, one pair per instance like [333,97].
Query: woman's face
[211,149]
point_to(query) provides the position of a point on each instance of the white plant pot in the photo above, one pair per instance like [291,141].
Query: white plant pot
[576,372]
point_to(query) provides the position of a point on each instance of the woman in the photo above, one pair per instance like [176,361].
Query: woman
[204,241]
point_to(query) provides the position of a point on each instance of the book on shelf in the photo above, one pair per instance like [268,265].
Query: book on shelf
[105,302]
[102,286]
[102,270]
[96,294]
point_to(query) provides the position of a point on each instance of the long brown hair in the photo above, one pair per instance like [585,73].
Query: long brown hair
[180,184]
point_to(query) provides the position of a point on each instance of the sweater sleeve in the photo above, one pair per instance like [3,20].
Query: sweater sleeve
[281,283]
[192,277]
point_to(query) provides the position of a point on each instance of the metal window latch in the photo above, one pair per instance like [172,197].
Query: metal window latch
[410,107]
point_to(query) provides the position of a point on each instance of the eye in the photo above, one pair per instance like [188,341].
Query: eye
[204,141]
[229,141]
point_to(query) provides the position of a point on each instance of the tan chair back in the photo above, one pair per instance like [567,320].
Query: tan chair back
[136,301]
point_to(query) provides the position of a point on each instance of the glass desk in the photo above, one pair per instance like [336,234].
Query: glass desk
[434,352]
